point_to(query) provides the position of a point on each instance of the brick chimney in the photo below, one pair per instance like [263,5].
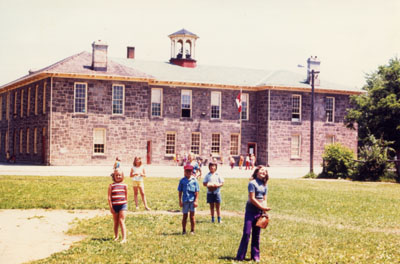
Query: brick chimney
[99,56]
[130,52]
[313,63]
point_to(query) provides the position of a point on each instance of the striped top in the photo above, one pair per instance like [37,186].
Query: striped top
[118,193]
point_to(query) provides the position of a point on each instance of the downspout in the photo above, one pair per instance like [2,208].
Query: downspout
[51,118]
[268,125]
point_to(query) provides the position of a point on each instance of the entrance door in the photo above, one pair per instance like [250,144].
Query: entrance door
[252,148]
[148,156]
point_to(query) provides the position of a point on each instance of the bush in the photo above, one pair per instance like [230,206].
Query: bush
[373,160]
[338,162]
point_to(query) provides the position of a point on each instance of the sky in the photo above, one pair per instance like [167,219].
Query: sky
[350,37]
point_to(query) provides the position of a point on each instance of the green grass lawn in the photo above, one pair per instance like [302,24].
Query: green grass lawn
[312,221]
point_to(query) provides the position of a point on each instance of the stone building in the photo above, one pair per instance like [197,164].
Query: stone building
[89,108]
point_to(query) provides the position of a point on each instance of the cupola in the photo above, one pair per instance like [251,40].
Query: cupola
[183,45]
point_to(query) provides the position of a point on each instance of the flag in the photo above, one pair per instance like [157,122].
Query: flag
[239,102]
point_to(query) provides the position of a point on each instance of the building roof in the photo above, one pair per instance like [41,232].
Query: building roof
[80,64]
[183,32]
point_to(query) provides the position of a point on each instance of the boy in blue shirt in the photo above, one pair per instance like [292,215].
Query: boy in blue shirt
[188,193]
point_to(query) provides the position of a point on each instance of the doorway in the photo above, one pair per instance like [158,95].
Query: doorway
[252,148]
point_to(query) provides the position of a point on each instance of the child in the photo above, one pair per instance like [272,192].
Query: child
[117,163]
[214,182]
[231,162]
[241,160]
[188,193]
[137,174]
[248,162]
[117,201]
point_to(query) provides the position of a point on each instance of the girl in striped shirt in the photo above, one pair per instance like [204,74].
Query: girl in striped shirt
[117,200]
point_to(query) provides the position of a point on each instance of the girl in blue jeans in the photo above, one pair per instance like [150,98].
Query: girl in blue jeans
[256,205]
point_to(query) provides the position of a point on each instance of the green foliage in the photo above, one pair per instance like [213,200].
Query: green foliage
[338,162]
[310,175]
[377,111]
[373,162]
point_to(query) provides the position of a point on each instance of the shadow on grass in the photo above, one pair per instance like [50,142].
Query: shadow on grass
[230,258]
[172,234]
[102,239]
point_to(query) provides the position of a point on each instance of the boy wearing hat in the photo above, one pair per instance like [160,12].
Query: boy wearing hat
[188,193]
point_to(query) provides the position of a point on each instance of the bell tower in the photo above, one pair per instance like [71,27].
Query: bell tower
[183,45]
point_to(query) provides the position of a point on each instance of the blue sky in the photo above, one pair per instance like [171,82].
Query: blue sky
[350,37]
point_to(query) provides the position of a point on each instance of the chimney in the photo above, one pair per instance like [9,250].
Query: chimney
[99,56]
[130,52]
[313,63]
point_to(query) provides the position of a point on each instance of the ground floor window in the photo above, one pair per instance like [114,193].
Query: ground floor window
[20,141]
[99,140]
[234,145]
[27,140]
[170,142]
[330,139]
[295,146]
[195,143]
[35,140]
[215,144]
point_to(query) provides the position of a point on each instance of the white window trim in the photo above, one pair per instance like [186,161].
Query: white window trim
[44,97]
[161,103]
[166,138]
[298,156]
[220,139]
[191,142]
[219,105]
[330,136]
[333,110]
[123,99]
[86,96]
[246,95]
[230,147]
[300,104]
[104,139]
[191,97]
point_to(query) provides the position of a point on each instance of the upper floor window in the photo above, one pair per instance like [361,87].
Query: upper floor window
[15,103]
[216,105]
[118,99]
[99,140]
[170,143]
[28,103]
[295,146]
[186,103]
[330,109]
[36,99]
[80,98]
[22,104]
[44,98]
[1,107]
[156,99]
[245,106]
[296,108]
[215,144]
[8,106]
[195,143]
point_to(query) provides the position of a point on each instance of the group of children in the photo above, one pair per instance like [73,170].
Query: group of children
[188,189]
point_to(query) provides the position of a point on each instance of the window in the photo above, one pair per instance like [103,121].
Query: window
[296,108]
[118,99]
[170,143]
[216,105]
[15,103]
[330,139]
[245,106]
[156,99]
[186,103]
[27,140]
[15,142]
[20,141]
[330,109]
[215,144]
[22,104]
[28,104]
[195,144]
[80,98]
[8,106]
[36,99]
[1,107]
[44,98]
[99,140]
[6,142]
[0,140]
[295,146]
[234,145]
[35,140]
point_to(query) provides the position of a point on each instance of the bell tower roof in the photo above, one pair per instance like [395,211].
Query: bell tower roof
[183,46]
[183,32]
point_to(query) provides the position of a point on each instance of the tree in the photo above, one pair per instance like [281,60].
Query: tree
[377,111]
